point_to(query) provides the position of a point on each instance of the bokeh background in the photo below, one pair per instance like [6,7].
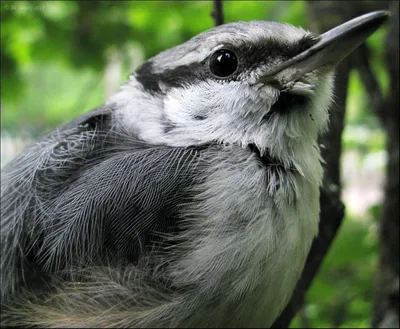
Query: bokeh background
[60,59]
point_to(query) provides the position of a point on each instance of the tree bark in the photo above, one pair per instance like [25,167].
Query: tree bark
[386,303]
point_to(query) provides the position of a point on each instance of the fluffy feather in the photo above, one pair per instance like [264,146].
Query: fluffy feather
[186,205]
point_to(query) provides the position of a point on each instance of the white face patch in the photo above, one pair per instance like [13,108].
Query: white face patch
[224,112]
[232,113]
[241,111]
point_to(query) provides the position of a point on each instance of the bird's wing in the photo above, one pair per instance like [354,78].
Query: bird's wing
[84,191]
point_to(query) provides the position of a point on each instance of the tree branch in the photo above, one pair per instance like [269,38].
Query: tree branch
[218,13]
[386,301]
[374,93]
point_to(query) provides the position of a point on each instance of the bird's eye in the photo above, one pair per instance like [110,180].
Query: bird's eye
[223,63]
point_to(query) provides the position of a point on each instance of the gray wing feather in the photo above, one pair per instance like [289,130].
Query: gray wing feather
[85,191]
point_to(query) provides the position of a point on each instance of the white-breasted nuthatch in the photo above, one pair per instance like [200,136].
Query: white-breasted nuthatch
[190,199]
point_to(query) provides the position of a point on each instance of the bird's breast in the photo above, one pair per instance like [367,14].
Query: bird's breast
[252,230]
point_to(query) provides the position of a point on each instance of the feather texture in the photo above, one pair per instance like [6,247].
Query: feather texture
[123,193]
[121,234]
[185,201]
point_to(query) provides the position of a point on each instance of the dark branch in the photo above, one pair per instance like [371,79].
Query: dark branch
[386,300]
[218,13]
[362,63]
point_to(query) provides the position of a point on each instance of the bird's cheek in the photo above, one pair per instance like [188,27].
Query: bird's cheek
[189,106]
[177,108]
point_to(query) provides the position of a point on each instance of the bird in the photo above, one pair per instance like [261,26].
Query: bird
[190,198]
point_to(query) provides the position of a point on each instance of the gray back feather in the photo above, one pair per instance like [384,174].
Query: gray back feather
[85,194]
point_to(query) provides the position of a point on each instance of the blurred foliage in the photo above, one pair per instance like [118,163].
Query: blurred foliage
[54,57]
[54,52]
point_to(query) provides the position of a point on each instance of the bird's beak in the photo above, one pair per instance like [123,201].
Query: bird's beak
[331,47]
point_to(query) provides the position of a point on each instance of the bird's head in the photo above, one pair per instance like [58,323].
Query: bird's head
[261,84]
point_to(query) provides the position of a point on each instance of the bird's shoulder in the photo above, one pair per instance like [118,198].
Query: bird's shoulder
[87,184]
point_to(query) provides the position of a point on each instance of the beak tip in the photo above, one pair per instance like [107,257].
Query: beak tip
[385,13]
[379,17]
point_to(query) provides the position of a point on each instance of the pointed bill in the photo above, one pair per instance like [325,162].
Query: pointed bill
[331,48]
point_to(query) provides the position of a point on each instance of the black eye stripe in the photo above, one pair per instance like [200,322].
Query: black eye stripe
[252,55]
[177,77]
[248,57]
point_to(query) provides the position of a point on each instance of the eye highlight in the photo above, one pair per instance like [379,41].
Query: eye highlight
[223,63]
